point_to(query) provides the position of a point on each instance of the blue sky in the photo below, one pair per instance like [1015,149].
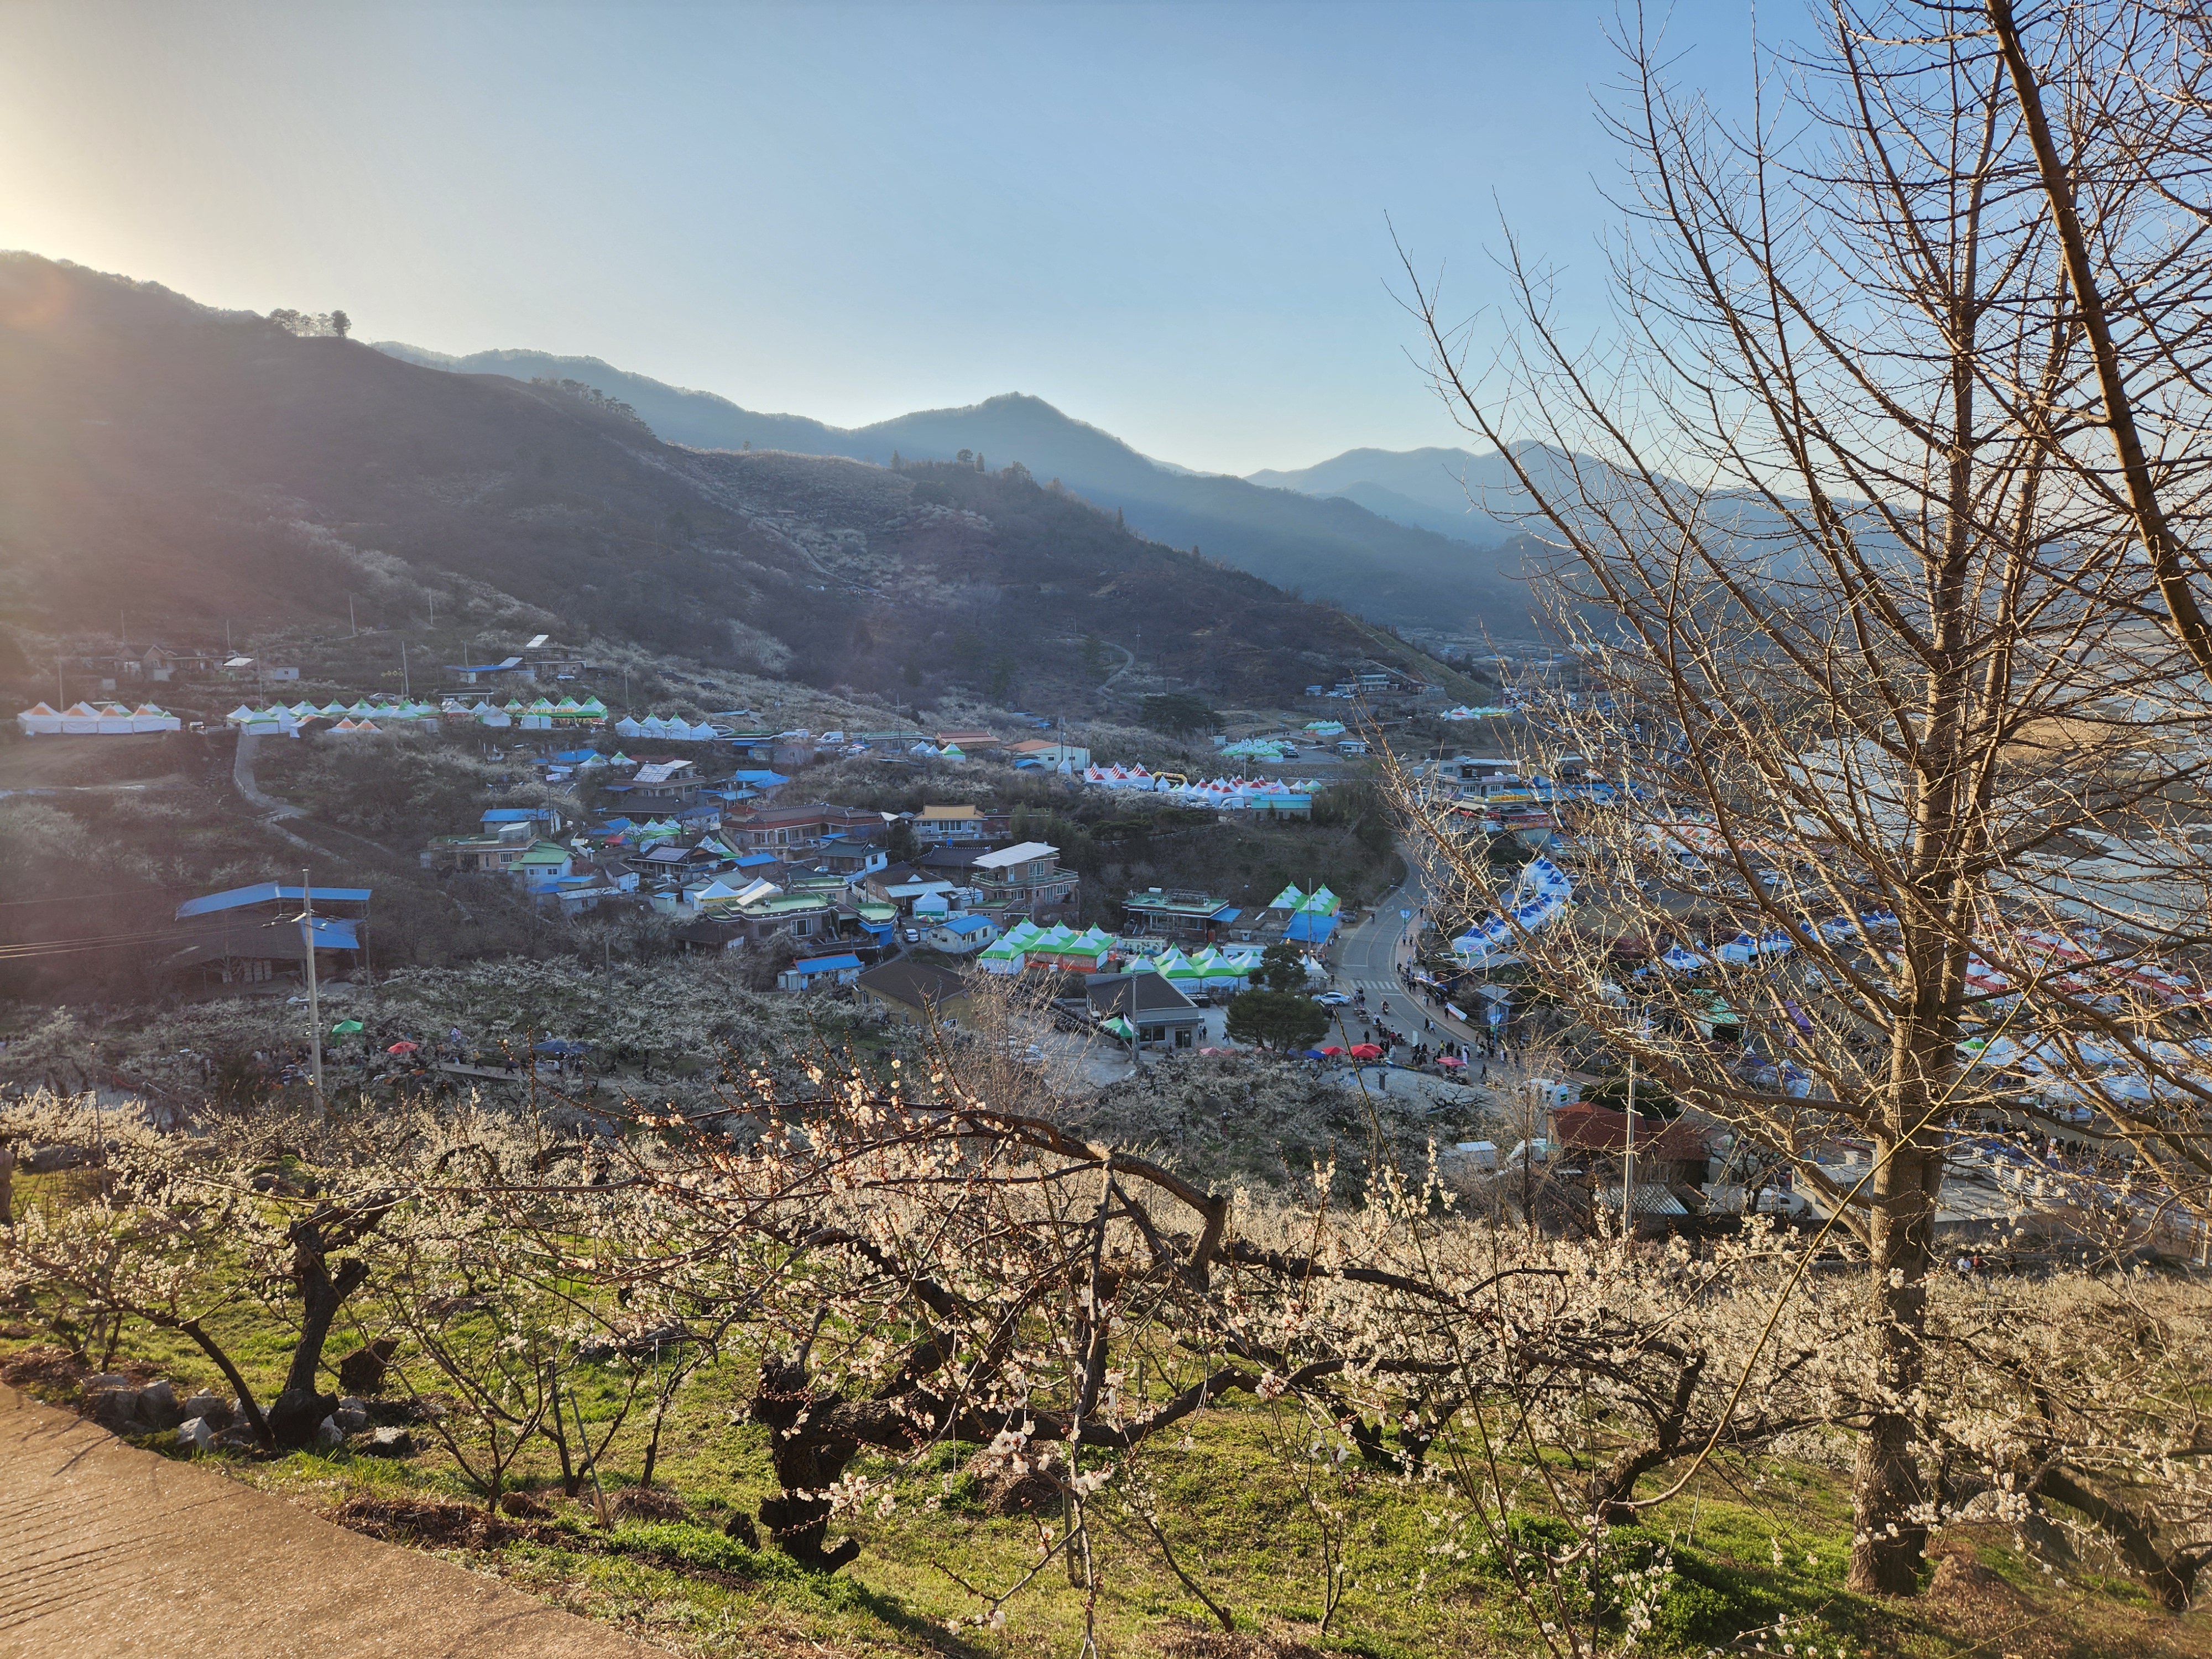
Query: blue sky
[1168,220]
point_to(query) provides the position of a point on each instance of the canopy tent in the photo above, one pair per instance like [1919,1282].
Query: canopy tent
[1540,898]
[1120,1028]
[1004,956]
[1289,899]
[1183,974]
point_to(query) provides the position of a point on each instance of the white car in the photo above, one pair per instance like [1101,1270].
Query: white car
[1333,1000]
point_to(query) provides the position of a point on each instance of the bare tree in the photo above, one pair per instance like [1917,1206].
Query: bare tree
[1899,755]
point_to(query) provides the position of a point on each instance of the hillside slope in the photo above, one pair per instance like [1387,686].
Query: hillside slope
[194,465]
[1391,571]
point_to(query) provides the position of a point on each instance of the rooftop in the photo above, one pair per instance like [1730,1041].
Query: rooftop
[1174,902]
[1021,852]
[916,984]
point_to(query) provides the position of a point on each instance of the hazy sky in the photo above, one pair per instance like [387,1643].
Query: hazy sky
[1168,220]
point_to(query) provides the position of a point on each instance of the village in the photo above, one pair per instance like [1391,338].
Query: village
[894,872]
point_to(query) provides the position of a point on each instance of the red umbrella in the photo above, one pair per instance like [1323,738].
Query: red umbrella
[1332,1049]
[1365,1051]
[1450,1060]
[401,1048]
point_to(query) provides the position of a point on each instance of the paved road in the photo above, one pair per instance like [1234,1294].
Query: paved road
[105,1550]
[1368,958]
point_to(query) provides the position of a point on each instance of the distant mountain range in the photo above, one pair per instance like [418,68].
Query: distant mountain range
[1379,533]
[1469,497]
[192,465]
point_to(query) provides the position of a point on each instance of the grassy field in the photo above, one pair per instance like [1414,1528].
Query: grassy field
[1271,1537]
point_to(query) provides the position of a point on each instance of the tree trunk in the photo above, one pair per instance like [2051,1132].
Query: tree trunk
[300,1408]
[795,1520]
[1888,1541]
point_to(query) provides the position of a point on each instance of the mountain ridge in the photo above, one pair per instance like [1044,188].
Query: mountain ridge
[1329,547]
[212,466]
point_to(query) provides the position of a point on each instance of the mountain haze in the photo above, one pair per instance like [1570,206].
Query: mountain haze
[1386,568]
[195,465]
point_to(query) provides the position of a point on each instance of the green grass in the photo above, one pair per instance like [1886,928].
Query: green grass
[1748,1547]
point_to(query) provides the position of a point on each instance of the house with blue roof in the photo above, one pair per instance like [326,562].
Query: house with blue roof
[962,934]
[818,973]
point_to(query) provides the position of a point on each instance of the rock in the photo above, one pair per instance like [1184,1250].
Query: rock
[328,1434]
[115,1409]
[158,1408]
[362,1371]
[106,1380]
[212,1406]
[194,1434]
[350,1420]
[45,1160]
[386,1443]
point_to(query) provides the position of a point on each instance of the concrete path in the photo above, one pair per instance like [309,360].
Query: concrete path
[106,1550]
[242,776]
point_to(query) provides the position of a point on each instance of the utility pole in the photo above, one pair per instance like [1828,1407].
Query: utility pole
[350,623]
[314,999]
[403,690]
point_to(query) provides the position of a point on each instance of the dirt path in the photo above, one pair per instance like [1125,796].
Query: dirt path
[105,1550]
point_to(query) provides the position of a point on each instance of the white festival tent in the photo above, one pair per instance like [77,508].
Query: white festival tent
[1540,898]
[100,719]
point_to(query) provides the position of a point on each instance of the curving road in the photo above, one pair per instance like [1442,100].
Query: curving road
[1367,958]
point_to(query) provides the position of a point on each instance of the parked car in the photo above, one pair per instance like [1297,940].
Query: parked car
[913,936]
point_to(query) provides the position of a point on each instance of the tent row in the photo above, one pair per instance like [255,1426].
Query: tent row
[680,731]
[1464,712]
[1227,794]
[96,720]
[1059,947]
[1540,898]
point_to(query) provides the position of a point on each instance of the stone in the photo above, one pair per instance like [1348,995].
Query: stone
[195,1435]
[386,1443]
[328,1434]
[362,1371]
[212,1406]
[116,1409]
[349,1419]
[158,1408]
